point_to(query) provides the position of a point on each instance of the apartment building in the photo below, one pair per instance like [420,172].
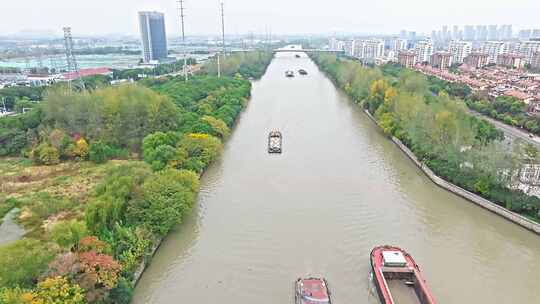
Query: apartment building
[477,60]
[407,58]
[511,61]
[528,49]
[442,60]
[459,50]
[424,51]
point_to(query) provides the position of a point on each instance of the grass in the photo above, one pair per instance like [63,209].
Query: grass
[48,194]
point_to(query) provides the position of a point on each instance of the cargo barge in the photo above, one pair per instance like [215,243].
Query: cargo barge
[274,142]
[311,291]
[398,278]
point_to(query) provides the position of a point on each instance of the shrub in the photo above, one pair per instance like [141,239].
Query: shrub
[81,149]
[46,154]
[68,234]
[12,141]
[98,152]
[15,296]
[22,262]
[58,290]
[121,294]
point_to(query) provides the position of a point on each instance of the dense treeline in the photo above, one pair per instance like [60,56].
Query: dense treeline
[90,256]
[250,64]
[439,130]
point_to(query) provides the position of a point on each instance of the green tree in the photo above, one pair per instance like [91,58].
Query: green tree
[166,197]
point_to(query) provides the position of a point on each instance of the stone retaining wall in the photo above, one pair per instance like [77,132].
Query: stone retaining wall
[489,205]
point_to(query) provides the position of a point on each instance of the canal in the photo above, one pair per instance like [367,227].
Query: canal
[339,189]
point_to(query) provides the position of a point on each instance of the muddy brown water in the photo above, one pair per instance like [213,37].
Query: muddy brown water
[339,188]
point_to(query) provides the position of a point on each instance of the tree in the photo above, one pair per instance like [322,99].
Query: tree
[90,267]
[108,206]
[201,148]
[166,197]
[219,127]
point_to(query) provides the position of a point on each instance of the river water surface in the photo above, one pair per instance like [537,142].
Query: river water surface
[339,189]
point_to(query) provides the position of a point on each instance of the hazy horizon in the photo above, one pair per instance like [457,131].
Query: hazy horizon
[100,17]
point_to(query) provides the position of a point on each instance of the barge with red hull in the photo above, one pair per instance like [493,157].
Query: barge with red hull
[311,291]
[397,277]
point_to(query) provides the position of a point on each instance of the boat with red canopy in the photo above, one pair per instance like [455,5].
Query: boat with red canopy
[312,291]
[397,277]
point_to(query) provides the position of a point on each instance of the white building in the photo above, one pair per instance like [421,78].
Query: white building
[424,51]
[370,49]
[528,49]
[335,44]
[397,45]
[459,50]
[494,49]
[349,47]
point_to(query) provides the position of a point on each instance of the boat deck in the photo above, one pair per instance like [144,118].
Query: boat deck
[401,293]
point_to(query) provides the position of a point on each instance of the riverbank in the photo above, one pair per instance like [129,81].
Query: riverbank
[461,149]
[127,211]
[347,194]
[480,201]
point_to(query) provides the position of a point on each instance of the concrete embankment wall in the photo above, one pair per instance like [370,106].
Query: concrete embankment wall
[491,206]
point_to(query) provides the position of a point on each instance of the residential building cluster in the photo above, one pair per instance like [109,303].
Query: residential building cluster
[516,54]
[496,67]
[495,81]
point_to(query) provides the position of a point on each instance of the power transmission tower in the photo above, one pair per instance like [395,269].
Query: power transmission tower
[72,66]
[223,28]
[222,39]
[181,12]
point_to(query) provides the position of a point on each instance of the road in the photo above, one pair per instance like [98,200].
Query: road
[509,131]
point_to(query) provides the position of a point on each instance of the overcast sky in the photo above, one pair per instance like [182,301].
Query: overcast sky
[281,16]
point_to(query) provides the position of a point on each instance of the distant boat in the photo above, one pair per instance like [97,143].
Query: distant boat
[274,142]
[289,73]
[302,72]
[397,277]
[297,56]
[311,291]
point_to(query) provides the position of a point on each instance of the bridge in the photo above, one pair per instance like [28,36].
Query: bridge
[300,50]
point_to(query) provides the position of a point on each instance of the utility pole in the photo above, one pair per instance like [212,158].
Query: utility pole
[218,66]
[181,11]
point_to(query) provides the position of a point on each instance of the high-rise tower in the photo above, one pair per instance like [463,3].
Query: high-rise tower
[153,36]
